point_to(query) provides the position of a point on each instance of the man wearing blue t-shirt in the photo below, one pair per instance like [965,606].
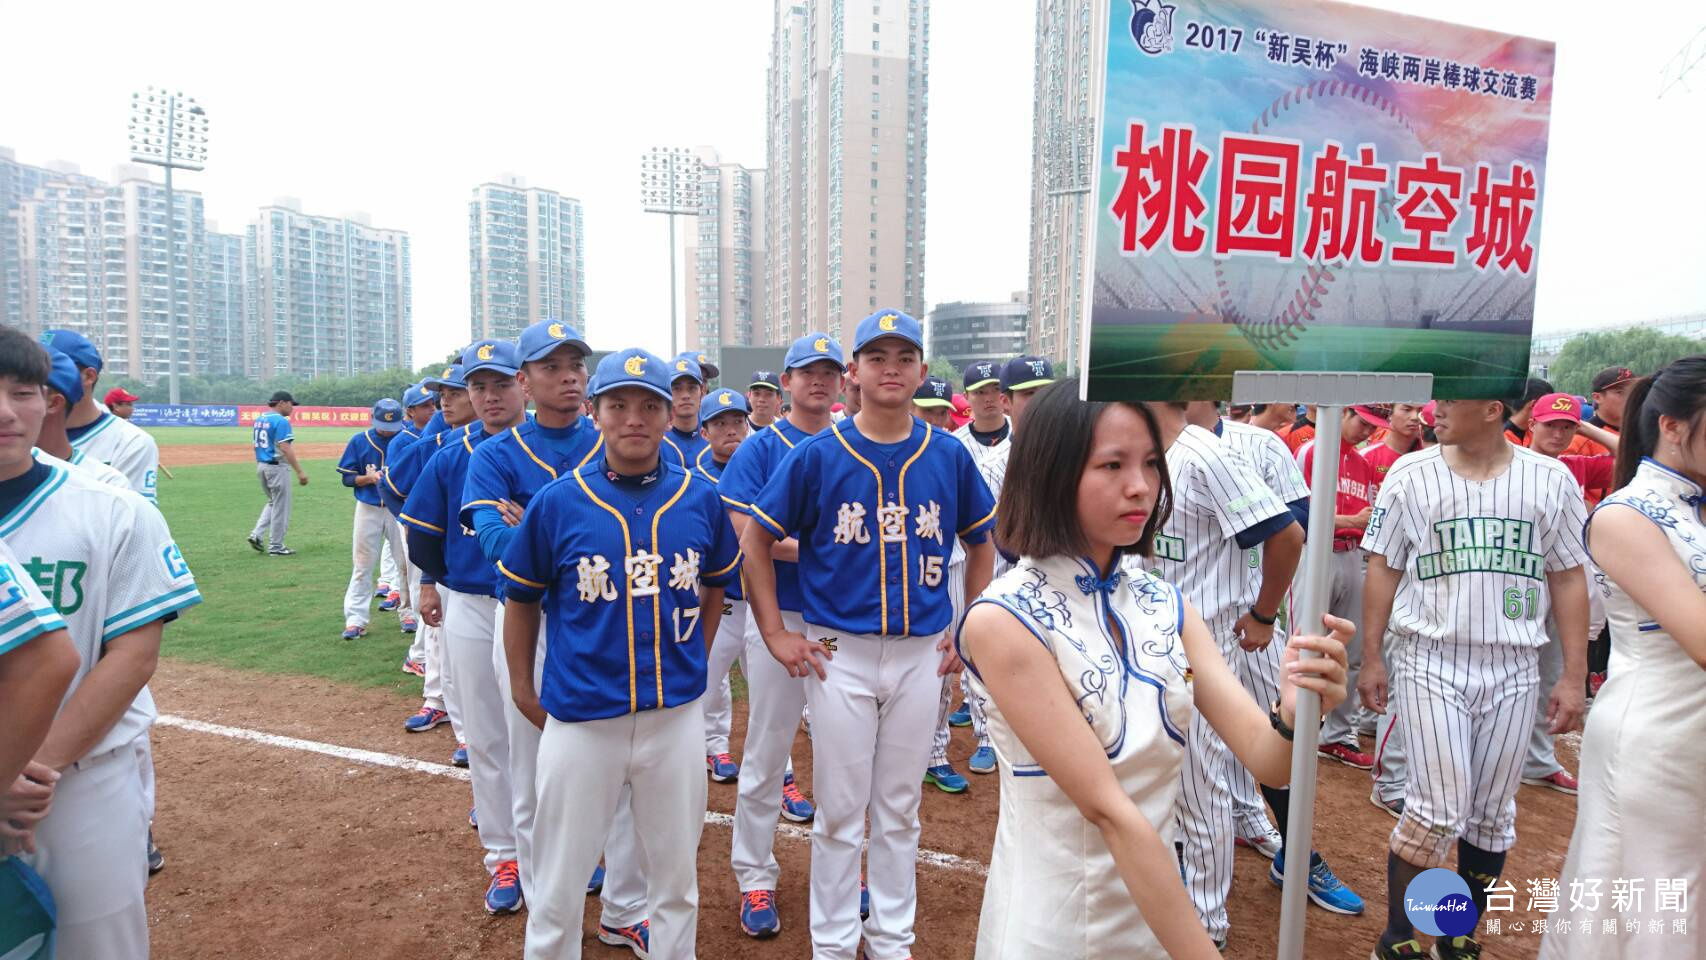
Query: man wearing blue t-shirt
[275,454]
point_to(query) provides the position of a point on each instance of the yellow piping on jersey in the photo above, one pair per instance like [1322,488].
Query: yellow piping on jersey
[657,605]
[521,580]
[679,456]
[516,432]
[979,523]
[766,518]
[882,551]
[905,563]
[771,426]
[627,598]
[421,523]
[731,566]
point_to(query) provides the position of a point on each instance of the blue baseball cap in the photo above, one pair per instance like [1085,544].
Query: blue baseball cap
[934,392]
[74,345]
[417,395]
[887,323]
[685,366]
[65,378]
[1026,373]
[633,367]
[721,401]
[811,348]
[497,355]
[766,379]
[706,367]
[451,376]
[539,340]
[387,416]
[981,373]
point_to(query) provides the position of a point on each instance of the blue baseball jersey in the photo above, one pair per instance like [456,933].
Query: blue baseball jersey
[365,449]
[619,569]
[434,505]
[685,447]
[271,429]
[710,470]
[876,523]
[514,466]
[403,465]
[754,462]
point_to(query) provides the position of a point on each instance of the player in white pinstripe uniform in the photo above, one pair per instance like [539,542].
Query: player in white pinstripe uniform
[1221,509]
[1470,543]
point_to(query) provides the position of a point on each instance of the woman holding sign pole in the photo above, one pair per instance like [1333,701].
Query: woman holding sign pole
[1068,636]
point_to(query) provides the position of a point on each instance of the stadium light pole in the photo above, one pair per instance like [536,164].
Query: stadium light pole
[669,184]
[169,130]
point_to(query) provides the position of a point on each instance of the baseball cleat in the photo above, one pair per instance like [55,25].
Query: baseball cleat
[864,900]
[595,885]
[983,760]
[961,717]
[1407,950]
[354,632]
[504,894]
[474,817]
[795,806]
[381,591]
[410,625]
[1560,781]
[1394,807]
[1595,681]
[156,859]
[1457,948]
[722,767]
[392,601]
[460,757]
[281,552]
[1268,844]
[256,543]
[946,779]
[425,719]
[414,666]
[1325,890]
[759,917]
[1349,756]
[637,938]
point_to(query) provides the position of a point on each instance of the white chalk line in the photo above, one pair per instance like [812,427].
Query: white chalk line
[934,858]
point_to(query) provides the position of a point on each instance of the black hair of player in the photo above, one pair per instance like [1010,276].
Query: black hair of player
[1038,512]
[1677,390]
[22,359]
[909,346]
[1533,389]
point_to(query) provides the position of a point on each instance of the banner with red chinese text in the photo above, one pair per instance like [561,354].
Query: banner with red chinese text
[1310,185]
[356,418]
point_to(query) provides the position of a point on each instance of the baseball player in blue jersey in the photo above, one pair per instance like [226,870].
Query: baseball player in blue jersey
[504,475]
[687,389]
[275,458]
[723,423]
[876,502]
[1470,543]
[765,398]
[463,600]
[629,556]
[812,372]
[420,406]
[361,468]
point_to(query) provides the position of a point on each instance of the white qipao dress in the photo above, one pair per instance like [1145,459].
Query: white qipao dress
[1641,814]
[1053,891]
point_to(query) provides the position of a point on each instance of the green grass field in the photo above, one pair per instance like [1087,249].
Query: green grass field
[201,436]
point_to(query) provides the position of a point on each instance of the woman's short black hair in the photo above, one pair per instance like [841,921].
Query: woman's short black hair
[1038,512]
[22,359]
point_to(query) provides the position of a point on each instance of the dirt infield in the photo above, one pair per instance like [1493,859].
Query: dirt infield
[197,455]
[273,852]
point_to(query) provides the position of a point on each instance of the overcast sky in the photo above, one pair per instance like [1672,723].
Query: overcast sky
[399,110]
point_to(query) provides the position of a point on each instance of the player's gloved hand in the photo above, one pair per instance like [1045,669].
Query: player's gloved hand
[800,656]
[1324,674]
[511,513]
[1252,634]
[1371,684]
[951,662]
[1564,709]
[431,608]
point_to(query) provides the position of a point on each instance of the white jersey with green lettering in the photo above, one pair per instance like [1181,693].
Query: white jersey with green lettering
[24,613]
[124,446]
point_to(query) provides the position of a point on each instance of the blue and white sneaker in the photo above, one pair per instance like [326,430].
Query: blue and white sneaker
[795,806]
[504,895]
[722,767]
[983,761]
[460,757]
[946,779]
[637,938]
[1324,888]
[595,886]
[392,601]
[960,717]
[425,719]
[381,591]
[354,631]
[474,817]
[759,917]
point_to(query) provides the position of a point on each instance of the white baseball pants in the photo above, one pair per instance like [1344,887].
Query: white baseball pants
[945,708]
[1259,673]
[871,724]
[373,526]
[1345,575]
[582,770]
[467,643]
[92,851]
[624,893]
[727,647]
[436,685]
[412,598]
[1205,808]
[774,701]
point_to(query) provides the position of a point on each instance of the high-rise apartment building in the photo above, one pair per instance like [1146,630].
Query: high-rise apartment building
[330,294]
[726,257]
[1063,145]
[844,227]
[228,348]
[526,259]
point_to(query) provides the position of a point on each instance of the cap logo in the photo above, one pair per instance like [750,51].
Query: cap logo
[1563,403]
[555,330]
[446,374]
[886,324]
[681,366]
[703,358]
[485,352]
[725,398]
[821,344]
[1036,367]
[634,365]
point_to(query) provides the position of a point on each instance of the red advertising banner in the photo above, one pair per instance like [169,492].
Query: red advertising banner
[354,417]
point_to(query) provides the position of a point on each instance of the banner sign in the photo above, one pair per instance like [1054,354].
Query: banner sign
[356,418]
[1309,185]
[183,415]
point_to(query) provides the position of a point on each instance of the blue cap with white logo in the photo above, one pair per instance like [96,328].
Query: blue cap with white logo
[981,373]
[811,348]
[633,367]
[496,355]
[387,416]
[721,401]
[934,392]
[417,395]
[1026,373]
[539,340]
[65,378]
[685,366]
[74,345]
[887,323]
